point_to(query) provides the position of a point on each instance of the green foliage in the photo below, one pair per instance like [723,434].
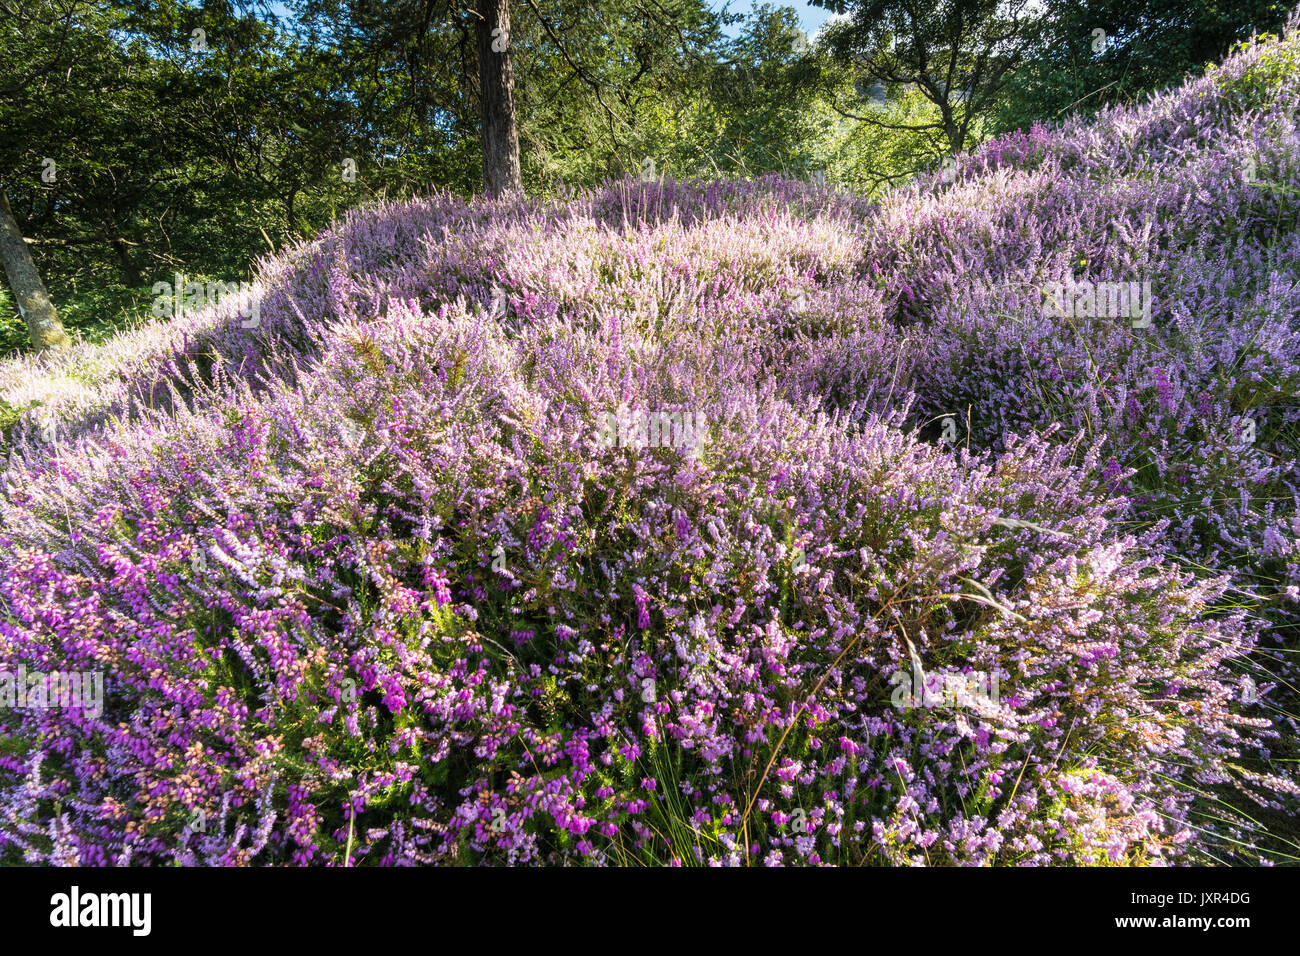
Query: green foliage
[960,56]
[90,314]
[170,157]
[1260,85]
[1147,45]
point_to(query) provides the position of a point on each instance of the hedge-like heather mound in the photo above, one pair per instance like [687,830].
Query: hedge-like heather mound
[415,572]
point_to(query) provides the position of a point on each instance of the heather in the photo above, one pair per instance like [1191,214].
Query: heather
[372,582]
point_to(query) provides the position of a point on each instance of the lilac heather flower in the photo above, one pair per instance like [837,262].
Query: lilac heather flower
[353,671]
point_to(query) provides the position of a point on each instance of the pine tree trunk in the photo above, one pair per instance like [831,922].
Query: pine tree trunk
[501,173]
[33,301]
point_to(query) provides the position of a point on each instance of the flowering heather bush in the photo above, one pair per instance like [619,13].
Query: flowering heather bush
[368,583]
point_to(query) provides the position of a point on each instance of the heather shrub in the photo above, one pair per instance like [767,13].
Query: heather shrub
[689,523]
[314,654]
[1194,193]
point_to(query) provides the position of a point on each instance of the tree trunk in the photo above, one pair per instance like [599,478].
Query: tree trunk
[501,174]
[134,278]
[33,301]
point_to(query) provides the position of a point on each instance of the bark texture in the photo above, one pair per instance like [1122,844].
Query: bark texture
[501,172]
[34,302]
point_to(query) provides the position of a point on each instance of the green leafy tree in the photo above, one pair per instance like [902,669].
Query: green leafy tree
[39,40]
[1091,53]
[958,54]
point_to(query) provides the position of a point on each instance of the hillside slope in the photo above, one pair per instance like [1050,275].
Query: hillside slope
[726,523]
